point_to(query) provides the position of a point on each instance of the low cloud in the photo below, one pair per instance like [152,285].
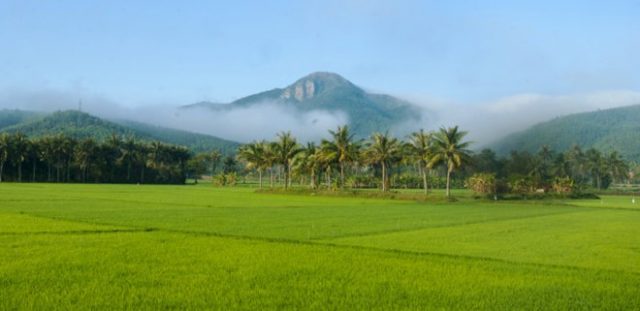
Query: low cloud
[489,121]
[260,121]
[486,122]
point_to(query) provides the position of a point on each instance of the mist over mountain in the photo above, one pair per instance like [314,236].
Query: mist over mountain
[607,130]
[326,92]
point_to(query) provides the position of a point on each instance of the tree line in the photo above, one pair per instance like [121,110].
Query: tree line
[61,158]
[354,161]
[426,160]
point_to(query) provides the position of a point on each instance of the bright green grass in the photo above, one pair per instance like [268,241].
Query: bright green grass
[188,247]
[611,201]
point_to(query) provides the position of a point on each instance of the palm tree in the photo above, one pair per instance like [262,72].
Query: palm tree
[140,157]
[47,153]
[254,155]
[285,148]
[421,150]
[595,165]
[306,162]
[383,150]
[67,149]
[616,166]
[112,154]
[542,164]
[19,151]
[128,151]
[344,149]
[180,155]
[214,157]
[155,157]
[561,166]
[577,163]
[85,151]
[450,150]
[34,154]
[5,146]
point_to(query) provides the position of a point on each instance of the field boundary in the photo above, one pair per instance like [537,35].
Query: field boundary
[384,232]
[346,246]
[74,232]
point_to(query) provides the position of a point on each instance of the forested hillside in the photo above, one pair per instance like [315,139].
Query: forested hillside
[82,125]
[607,130]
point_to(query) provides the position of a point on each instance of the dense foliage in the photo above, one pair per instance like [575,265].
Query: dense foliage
[438,159]
[80,125]
[607,130]
[62,158]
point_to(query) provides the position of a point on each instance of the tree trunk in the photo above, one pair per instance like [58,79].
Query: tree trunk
[129,173]
[260,178]
[142,175]
[33,172]
[48,172]
[1,170]
[271,177]
[384,177]
[286,176]
[424,181]
[341,175]
[19,171]
[448,183]
[313,179]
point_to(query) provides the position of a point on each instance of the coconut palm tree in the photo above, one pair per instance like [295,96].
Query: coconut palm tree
[140,158]
[5,146]
[214,159]
[450,150]
[34,155]
[307,162]
[420,148]
[616,166]
[84,154]
[19,151]
[285,148]
[577,163]
[128,151]
[343,148]
[47,153]
[595,165]
[155,157]
[254,155]
[383,150]
[66,150]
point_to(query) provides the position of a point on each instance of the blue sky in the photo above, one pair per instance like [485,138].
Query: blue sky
[179,52]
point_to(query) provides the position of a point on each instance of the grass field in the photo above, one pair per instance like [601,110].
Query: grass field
[194,247]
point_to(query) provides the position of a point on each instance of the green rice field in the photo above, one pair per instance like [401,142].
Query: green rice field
[201,247]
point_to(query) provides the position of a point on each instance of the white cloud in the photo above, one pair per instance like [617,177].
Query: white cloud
[492,120]
[486,122]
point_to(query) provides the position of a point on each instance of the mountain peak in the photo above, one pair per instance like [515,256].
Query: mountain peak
[314,84]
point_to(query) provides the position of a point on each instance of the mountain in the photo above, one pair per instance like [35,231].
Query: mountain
[607,130]
[13,117]
[330,92]
[82,125]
